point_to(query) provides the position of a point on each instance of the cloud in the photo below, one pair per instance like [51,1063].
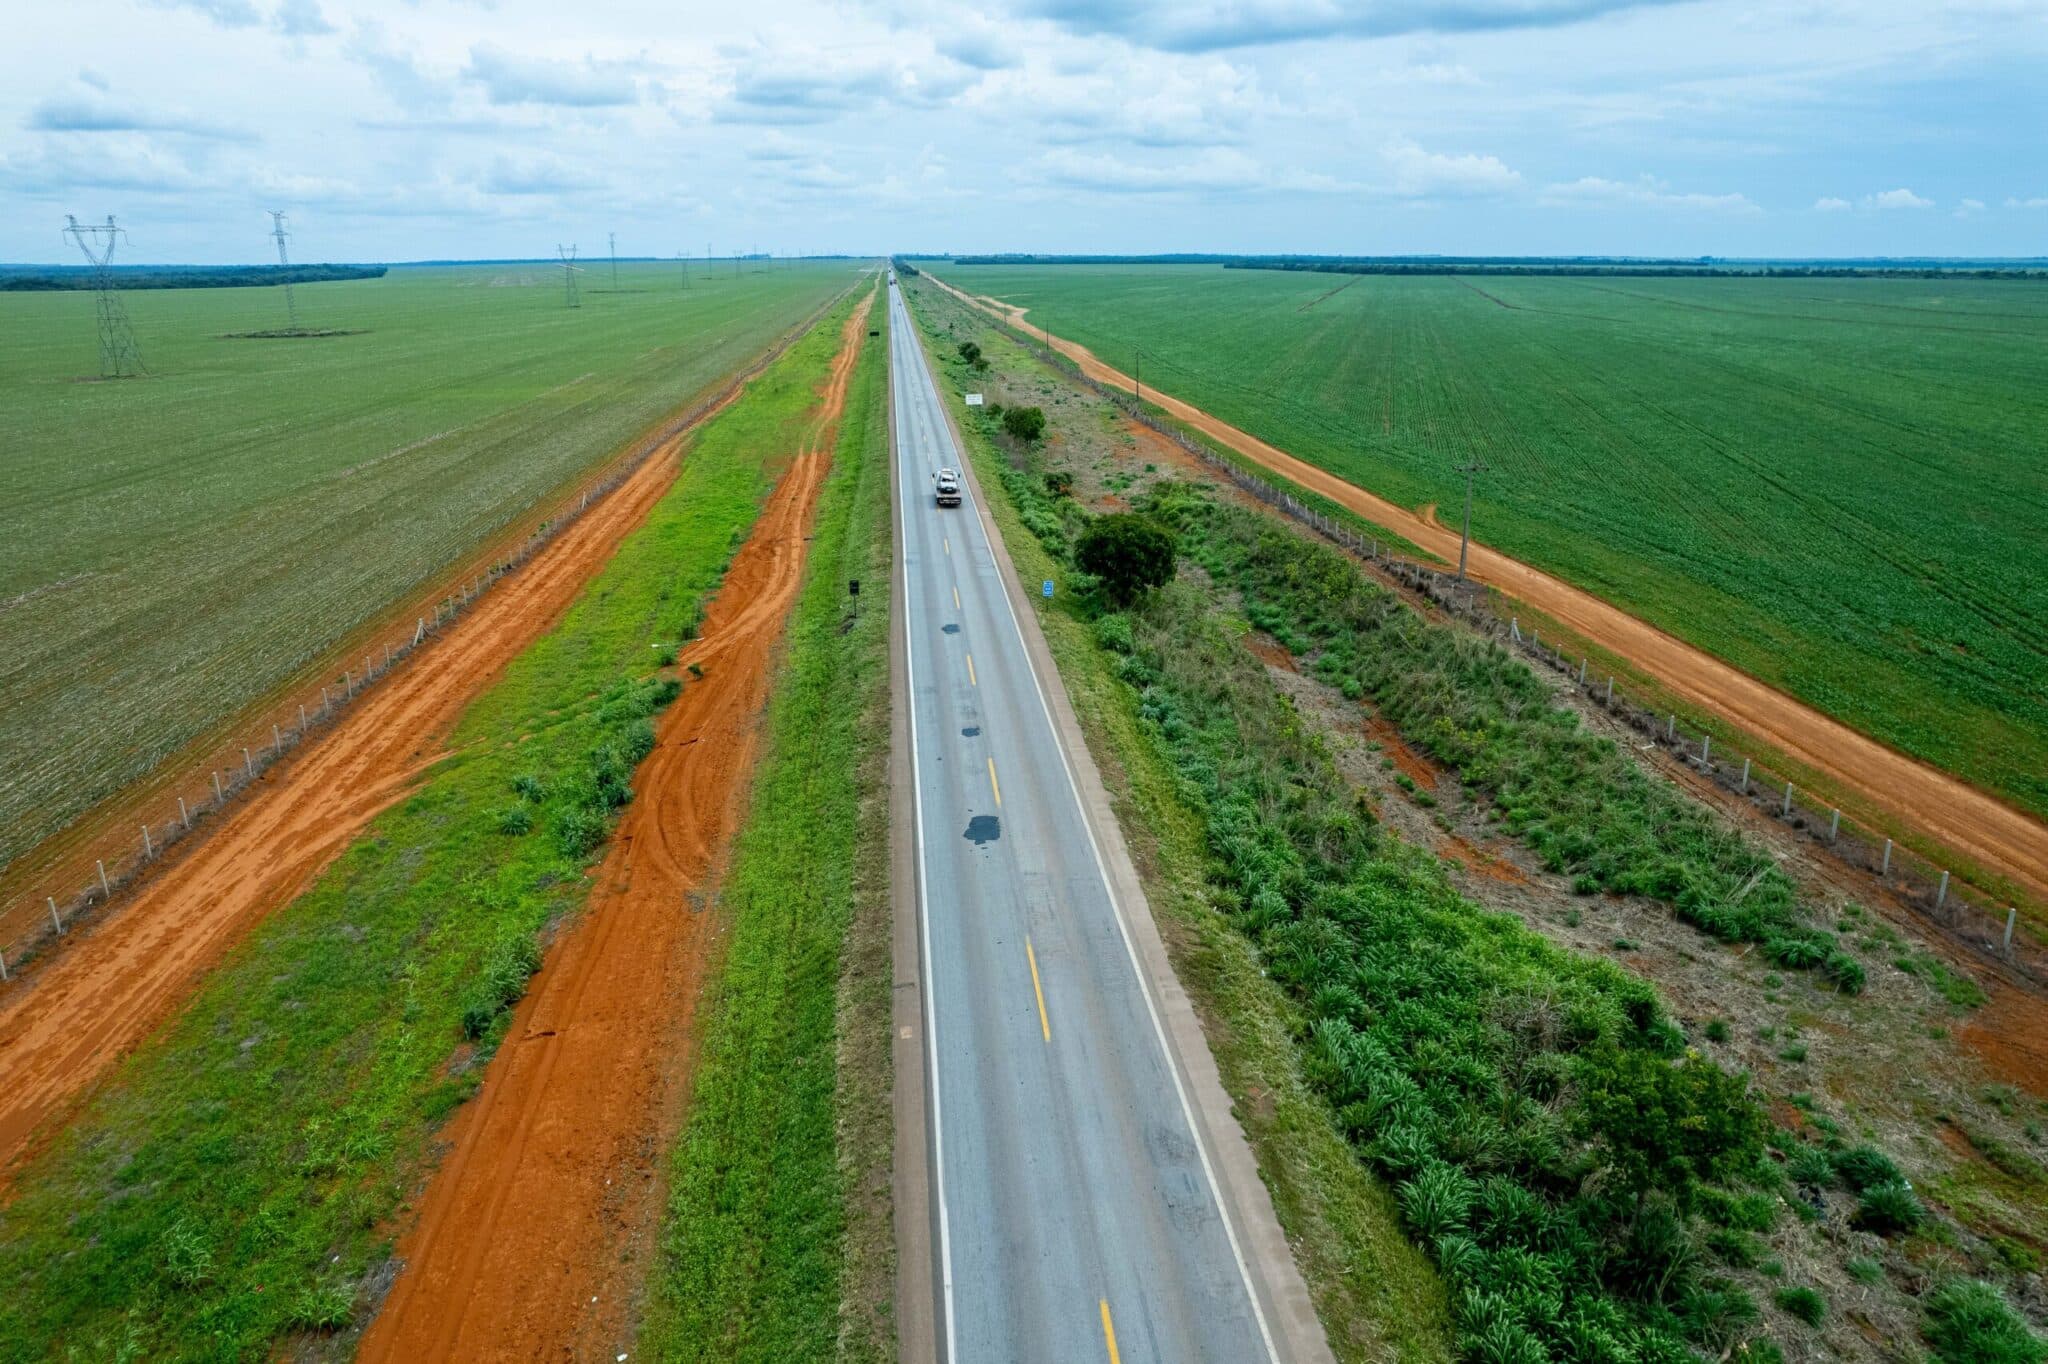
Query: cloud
[1647,191]
[1896,198]
[1830,204]
[226,13]
[1218,171]
[1425,174]
[1209,25]
[788,87]
[977,44]
[132,162]
[1969,208]
[534,174]
[93,111]
[2040,201]
[393,68]
[509,78]
[301,19]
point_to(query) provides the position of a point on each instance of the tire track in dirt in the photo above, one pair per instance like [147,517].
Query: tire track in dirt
[62,1031]
[534,1237]
[1972,822]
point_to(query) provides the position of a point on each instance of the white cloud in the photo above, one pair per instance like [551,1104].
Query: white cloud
[91,110]
[1896,198]
[301,19]
[1419,173]
[535,173]
[1969,208]
[1646,191]
[1830,204]
[511,78]
[2040,201]
[1220,170]
[226,13]
[1208,25]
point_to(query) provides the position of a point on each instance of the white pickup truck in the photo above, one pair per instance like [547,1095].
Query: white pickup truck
[947,485]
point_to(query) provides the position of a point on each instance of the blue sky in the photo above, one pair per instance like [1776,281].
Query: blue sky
[414,129]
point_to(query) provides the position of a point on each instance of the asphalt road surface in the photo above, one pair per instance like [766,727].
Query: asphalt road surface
[1077,1213]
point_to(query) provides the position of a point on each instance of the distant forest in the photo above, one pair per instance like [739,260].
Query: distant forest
[1567,265]
[33,278]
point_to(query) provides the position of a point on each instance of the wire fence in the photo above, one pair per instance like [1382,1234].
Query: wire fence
[1963,913]
[38,919]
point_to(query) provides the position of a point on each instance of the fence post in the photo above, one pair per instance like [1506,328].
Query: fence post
[183,818]
[147,851]
[1835,827]
[1941,895]
[349,683]
[1787,811]
[1745,776]
[218,798]
[1582,672]
[1671,727]
[1886,869]
[2011,916]
[1515,628]
[1706,750]
[276,740]
[1610,689]
[420,632]
[3,965]
[302,717]
[53,913]
[248,764]
[1536,638]
[101,863]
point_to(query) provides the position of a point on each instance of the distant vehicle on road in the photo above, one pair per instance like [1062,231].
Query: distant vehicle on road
[947,484]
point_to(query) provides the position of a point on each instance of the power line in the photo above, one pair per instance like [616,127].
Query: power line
[570,269]
[120,357]
[291,304]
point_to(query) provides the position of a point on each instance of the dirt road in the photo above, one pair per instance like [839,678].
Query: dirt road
[100,997]
[536,1234]
[1980,826]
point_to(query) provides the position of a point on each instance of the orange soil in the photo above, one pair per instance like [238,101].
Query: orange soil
[535,1235]
[62,1030]
[1481,862]
[2010,1033]
[1997,836]
[1417,768]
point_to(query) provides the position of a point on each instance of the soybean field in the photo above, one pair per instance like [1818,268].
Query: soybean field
[1838,485]
[175,547]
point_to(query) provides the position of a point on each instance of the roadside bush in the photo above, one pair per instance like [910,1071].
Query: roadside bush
[578,830]
[1128,554]
[1058,482]
[500,981]
[1028,424]
[970,352]
[1968,1322]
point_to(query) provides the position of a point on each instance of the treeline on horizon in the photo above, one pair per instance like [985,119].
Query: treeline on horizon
[1553,265]
[42,278]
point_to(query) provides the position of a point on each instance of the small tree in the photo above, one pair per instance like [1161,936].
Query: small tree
[1665,1125]
[971,353]
[1127,553]
[1025,423]
[1059,482]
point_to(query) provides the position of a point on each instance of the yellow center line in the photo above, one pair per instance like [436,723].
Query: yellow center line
[956,599]
[1109,1334]
[970,672]
[1044,1026]
[993,784]
[947,541]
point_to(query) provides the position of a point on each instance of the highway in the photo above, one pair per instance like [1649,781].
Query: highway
[1076,1213]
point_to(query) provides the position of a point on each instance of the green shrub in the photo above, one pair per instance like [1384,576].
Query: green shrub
[1864,1270]
[1865,1167]
[1810,1167]
[529,788]
[1968,1322]
[500,981]
[1058,482]
[1025,423]
[1128,554]
[1843,972]
[1717,1030]
[1889,1208]
[1804,1303]
[1113,632]
[515,819]
[1715,1315]
[578,830]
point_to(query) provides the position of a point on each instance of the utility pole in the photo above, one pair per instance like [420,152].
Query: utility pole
[1138,378]
[1468,469]
[569,272]
[613,238]
[120,358]
[684,262]
[291,305]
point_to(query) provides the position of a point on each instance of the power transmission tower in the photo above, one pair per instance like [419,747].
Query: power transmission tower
[570,269]
[614,239]
[291,304]
[684,262]
[1468,469]
[120,357]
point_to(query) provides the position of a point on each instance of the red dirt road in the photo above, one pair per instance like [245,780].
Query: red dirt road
[537,1232]
[1982,827]
[62,1031]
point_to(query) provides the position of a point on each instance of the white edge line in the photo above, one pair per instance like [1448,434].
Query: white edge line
[931,1030]
[1109,888]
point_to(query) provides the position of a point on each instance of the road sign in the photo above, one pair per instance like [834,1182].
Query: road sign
[1047,589]
[974,400]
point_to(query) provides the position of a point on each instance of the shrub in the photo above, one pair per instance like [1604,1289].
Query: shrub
[970,352]
[1026,424]
[578,831]
[1803,1303]
[1665,1125]
[1864,1270]
[515,819]
[1889,1208]
[1058,482]
[1715,1315]
[1865,1167]
[1968,1322]
[1113,632]
[1717,1030]
[499,982]
[529,787]
[1811,1168]
[1843,972]
[1129,554]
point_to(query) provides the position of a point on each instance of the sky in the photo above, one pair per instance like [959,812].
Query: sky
[459,129]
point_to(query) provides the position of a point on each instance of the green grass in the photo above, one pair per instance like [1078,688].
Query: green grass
[773,1247]
[174,548]
[1375,1293]
[1970,1323]
[1834,485]
[238,1178]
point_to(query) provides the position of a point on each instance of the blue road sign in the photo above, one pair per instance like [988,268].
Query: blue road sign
[1047,589]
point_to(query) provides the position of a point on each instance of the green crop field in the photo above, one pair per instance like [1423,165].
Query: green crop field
[174,547]
[1840,486]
